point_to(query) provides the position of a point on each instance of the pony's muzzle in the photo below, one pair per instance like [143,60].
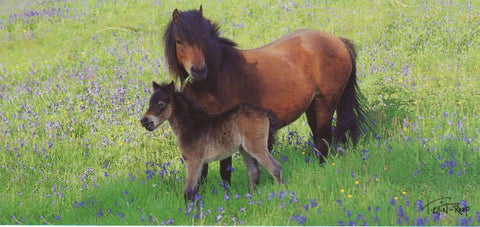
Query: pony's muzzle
[147,123]
[199,73]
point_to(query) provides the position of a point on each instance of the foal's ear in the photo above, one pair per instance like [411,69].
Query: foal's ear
[171,87]
[176,16]
[155,85]
[200,10]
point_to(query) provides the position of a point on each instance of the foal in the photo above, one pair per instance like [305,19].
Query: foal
[204,138]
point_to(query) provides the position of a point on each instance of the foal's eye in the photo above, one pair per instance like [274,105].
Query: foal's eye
[162,104]
[179,42]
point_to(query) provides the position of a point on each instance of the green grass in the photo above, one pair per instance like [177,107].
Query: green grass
[75,77]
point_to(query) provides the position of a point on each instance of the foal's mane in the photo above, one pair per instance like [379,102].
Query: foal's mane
[197,30]
[183,105]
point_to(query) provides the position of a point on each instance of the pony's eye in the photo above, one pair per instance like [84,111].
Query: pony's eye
[179,42]
[162,104]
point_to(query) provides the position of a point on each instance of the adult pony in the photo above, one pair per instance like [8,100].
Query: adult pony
[304,71]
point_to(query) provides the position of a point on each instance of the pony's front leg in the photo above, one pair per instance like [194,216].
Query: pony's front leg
[194,169]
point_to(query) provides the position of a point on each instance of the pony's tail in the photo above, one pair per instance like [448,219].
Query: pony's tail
[274,126]
[351,115]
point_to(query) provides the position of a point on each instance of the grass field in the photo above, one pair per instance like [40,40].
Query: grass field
[75,78]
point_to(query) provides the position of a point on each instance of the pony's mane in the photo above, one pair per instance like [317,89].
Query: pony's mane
[195,29]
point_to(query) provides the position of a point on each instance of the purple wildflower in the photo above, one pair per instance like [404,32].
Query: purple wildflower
[416,172]
[400,212]
[349,213]
[365,155]
[359,217]
[230,169]
[392,201]
[168,222]
[421,221]
[218,218]
[292,194]
[464,221]
[419,205]
[299,219]
[121,216]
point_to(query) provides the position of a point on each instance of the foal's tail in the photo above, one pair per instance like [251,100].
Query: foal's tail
[274,126]
[351,115]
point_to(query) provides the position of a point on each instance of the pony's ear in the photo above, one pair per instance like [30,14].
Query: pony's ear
[176,16]
[200,10]
[155,85]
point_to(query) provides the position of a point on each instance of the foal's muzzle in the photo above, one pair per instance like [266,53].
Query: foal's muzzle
[199,73]
[147,123]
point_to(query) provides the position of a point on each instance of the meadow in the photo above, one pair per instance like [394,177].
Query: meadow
[75,78]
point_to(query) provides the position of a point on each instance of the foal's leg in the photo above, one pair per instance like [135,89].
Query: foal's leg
[252,167]
[194,169]
[261,154]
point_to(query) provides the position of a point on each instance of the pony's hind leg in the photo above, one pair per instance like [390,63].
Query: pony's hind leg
[226,169]
[252,167]
[203,177]
[319,117]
